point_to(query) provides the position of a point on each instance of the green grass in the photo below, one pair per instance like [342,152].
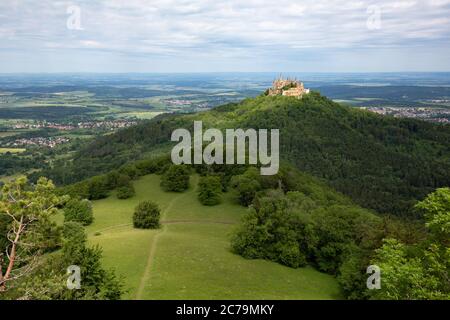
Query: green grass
[4,134]
[12,150]
[190,256]
[144,115]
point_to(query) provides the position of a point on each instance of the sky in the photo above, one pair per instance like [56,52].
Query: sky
[224,36]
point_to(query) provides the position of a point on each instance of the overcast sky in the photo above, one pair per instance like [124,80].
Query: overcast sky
[231,35]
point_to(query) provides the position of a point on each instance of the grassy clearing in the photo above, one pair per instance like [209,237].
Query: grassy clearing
[143,115]
[4,134]
[12,150]
[125,248]
[190,256]
[206,269]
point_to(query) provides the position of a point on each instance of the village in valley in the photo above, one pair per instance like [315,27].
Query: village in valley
[98,126]
[106,124]
[431,114]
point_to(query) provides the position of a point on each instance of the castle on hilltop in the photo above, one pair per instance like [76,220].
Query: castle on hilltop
[287,87]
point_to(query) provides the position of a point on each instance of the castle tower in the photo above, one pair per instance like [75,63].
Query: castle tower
[290,87]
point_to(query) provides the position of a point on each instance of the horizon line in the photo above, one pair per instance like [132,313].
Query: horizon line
[215,72]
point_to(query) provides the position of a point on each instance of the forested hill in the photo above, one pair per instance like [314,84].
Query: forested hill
[382,163]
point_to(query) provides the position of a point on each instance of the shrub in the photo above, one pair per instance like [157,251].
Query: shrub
[268,231]
[79,211]
[209,190]
[126,191]
[77,190]
[146,215]
[176,179]
[352,275]
[246,186]
[336,230]
[111,179]
[129,170]
[147,166]
[97,188]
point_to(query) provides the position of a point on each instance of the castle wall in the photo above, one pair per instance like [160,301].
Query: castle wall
[297,91]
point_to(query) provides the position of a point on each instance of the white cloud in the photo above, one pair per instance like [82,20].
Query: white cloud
[211,27]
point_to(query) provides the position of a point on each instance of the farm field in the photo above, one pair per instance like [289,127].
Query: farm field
[189,257]
[5,134]
[11,150]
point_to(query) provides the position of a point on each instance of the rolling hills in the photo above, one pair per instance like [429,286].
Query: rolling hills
[381,163]
[299,239]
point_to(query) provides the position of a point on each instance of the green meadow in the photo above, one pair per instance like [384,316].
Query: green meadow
[189,257]
[12,150]
[4,134]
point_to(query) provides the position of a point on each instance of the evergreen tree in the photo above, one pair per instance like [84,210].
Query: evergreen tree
[28,210]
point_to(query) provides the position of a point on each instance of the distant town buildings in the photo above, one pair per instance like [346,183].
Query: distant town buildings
[287,87]
[49,142]
[181,104]
[431,114]
[107,124]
